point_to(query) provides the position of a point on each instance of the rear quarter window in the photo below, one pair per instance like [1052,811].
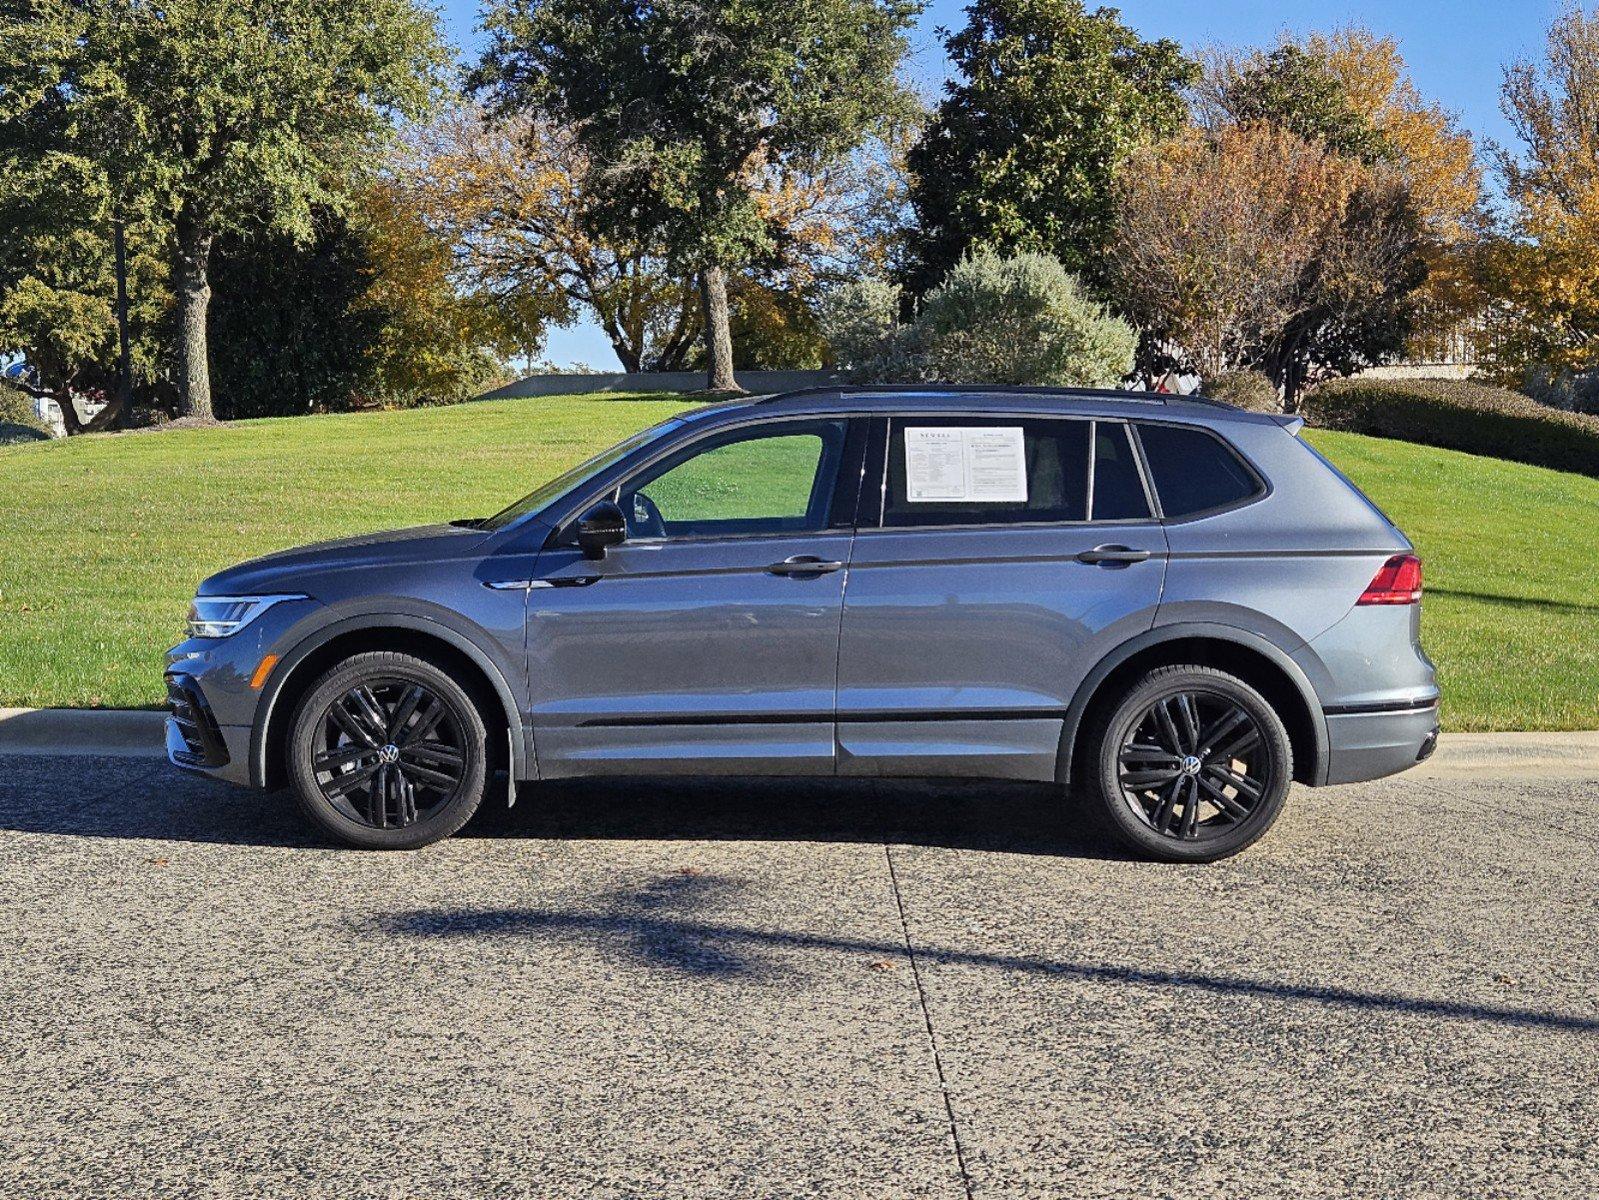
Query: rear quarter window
[1194,471]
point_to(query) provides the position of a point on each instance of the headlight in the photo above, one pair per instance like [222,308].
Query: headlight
[224,616]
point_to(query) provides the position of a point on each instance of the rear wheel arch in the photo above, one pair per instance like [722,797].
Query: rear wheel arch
[438,644]
[1262,664]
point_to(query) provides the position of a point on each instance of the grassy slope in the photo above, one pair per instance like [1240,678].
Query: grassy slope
[1511,554]
[103,539]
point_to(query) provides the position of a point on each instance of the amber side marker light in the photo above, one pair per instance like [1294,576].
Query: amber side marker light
[263,670]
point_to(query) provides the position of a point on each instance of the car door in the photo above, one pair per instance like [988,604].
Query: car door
[1007,555]
[707,641]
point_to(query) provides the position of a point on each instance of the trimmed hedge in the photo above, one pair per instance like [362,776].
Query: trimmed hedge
[1460,415]
[18,421]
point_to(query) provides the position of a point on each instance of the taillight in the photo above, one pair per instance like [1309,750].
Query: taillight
[1398,581]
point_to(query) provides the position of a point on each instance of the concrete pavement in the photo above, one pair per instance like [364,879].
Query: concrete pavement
[798,989]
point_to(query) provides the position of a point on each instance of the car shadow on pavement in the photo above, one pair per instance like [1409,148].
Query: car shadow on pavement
[657,927]
[138,798]
[1019,818]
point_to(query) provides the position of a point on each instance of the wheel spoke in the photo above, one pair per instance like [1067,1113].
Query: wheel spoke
[1219,729]
[377,799]
[403,710]
[427,775]
[1242,744]
[1168,728]
[370,711]
[1168,804]
[405,795]
[1242,782]
[432,752]
[1190,829]
[1145,753]
[352,725]
[341,784]
[340,756]
[427,722]
[1190,721]
[1139,780]
[1223,801]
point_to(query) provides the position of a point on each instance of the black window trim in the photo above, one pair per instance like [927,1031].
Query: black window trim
[1263,487]
[562,535]
[877,457]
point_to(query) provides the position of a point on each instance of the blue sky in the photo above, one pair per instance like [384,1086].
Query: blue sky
[1456,52]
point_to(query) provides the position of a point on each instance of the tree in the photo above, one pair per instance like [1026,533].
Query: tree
[683,105]
[58,283]
[1543,271]
[1294,89]
[1250,247]
[1023,151]
[1352,91]
[229,115]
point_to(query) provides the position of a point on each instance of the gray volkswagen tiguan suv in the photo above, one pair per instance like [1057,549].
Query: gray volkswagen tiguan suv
[1177,606]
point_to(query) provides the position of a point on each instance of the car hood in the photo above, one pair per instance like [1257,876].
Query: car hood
[284,570]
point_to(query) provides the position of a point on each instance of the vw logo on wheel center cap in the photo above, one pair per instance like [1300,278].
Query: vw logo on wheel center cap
[1191,765]
[389,753]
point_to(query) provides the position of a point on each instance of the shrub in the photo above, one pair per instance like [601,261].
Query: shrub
[858,319]
[1020,320]
[1246,389]
[1460,415]
[18,420]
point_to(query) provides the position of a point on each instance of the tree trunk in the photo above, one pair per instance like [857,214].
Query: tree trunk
[718,338]
[122,402]
[194,300]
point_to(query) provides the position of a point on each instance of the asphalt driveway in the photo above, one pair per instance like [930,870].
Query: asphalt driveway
[758,989]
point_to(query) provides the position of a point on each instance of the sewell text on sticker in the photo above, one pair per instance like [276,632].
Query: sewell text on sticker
[983,465]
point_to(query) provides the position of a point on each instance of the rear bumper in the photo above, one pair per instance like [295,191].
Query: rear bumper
[1364,745]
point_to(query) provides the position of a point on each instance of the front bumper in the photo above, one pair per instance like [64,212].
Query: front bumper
[195,741]
[1371,745]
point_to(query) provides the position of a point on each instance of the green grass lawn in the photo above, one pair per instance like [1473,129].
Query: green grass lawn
[103,539]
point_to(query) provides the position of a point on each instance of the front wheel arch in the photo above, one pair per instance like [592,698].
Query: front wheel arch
[402,633]
[1260,663]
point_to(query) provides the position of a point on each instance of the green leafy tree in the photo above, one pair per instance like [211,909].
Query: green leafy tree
[1024,149]
[226,115]
[1296,90]
[685,106]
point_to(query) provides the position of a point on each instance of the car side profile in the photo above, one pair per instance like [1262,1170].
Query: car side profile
[1177,606]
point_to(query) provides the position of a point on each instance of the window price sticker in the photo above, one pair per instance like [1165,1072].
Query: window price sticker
[977,465]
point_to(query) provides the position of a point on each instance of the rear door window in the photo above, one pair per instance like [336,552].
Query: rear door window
[1194,471]
[961,470]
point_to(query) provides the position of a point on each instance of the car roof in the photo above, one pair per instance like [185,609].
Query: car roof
[1044,401]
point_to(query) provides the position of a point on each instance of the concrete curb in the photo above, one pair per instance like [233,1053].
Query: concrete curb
[100,732]
[137,733]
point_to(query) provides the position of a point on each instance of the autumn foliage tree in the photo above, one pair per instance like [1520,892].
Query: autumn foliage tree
[1543,272]
[1247,246]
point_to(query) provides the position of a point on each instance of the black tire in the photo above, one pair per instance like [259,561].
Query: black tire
[1142,771]
[432,758]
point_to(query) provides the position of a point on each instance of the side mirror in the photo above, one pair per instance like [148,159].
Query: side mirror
[600,527]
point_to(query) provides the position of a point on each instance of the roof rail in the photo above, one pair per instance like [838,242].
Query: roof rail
[967,389]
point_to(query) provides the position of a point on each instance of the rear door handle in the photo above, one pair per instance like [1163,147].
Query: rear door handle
[1113,554]
[804,564]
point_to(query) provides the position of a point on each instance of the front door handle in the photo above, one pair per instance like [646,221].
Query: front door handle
[804,564]
[1113,554]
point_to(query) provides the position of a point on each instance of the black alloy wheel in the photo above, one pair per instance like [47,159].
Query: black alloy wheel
[388,751]
[1192,764]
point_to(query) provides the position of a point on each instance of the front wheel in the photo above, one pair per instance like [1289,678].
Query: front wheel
[387,752]
[1191,764]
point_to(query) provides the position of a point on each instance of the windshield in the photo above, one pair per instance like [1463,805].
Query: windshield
[547,493]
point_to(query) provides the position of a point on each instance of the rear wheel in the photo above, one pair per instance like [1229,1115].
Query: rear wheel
[387,752]
[1191,764]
